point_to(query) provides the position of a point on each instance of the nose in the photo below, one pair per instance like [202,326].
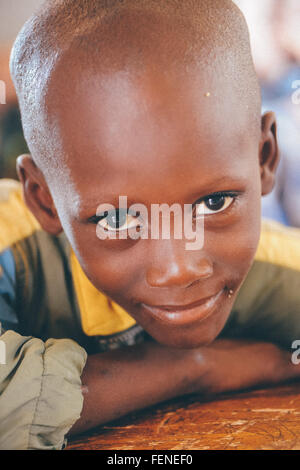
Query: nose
[174,266]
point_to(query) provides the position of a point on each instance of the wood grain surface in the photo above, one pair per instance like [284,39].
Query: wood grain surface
[253,420]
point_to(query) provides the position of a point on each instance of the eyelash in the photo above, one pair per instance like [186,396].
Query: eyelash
[95,219]
[224,194]
[219,194]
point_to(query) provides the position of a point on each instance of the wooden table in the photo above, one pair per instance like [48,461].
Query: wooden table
[261,419]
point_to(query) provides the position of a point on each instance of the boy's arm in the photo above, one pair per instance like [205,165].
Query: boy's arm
[118,382]
[41,383]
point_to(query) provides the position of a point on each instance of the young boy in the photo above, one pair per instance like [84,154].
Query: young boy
[159,102]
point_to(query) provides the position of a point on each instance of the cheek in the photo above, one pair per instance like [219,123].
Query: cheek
[112,271]
[236,245]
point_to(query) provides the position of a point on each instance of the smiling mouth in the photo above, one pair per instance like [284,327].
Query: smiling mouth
[181,315]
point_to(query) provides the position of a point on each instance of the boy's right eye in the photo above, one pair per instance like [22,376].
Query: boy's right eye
[116,221]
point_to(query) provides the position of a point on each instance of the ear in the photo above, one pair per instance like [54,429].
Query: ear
[268,152]
[37,195]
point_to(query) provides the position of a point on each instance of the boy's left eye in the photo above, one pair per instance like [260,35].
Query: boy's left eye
[214,204]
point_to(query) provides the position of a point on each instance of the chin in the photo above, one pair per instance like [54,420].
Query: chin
[185,340]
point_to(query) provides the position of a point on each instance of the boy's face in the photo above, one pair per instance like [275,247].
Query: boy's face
[157,138]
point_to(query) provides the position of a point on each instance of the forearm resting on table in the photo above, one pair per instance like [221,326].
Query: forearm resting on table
[118,382]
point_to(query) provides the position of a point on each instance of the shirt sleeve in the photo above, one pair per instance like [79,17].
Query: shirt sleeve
[40,391]
[40,382]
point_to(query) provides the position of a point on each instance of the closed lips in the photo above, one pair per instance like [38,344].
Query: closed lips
[183,314]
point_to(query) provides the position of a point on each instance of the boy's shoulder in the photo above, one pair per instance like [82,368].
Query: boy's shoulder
[35,285]
[16,220]
[279,245]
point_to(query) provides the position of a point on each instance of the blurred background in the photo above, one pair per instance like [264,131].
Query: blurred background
[275,38]
[13,14]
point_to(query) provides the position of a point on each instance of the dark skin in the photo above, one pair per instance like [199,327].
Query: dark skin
[159,138]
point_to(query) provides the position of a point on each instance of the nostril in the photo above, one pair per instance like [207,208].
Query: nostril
[194,283]
[179,277]
[205,274]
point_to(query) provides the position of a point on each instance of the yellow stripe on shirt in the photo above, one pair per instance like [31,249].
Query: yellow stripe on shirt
[279,245]
[16,220]
[99,315]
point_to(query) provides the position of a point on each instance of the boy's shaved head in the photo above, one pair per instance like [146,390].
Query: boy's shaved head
[69,36]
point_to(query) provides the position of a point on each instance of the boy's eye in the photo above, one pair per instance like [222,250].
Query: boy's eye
[118,220]
[214,204]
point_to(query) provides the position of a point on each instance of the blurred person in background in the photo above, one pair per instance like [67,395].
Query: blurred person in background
[13,14]
[274,30]
[11,135]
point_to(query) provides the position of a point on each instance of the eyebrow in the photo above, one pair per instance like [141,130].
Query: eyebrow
[221,184]
[90,204]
